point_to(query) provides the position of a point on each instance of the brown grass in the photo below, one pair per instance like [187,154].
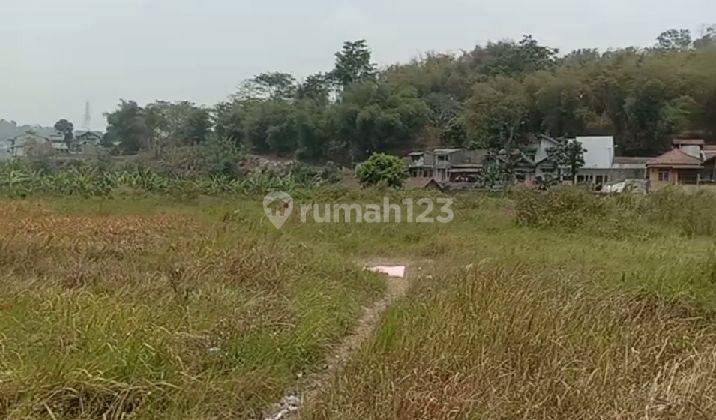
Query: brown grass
[496,342]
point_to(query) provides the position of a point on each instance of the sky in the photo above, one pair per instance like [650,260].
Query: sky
[57,55]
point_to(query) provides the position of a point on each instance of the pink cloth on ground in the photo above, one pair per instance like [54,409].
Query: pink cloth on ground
[390,270]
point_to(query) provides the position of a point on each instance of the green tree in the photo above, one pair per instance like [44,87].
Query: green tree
[228,118]
[177,123]
[567,154]
[508,58]
[497,114]
[269,127]
[382,169]
[674,39]
[67,129]
[372,117]
[128,126]
[708,39]
[222,156]
[316,88]
[353,64]
[275,85]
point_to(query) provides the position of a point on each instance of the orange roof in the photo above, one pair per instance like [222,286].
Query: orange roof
[675,158]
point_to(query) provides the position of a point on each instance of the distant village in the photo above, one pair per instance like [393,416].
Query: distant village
[17,140]
[689,162]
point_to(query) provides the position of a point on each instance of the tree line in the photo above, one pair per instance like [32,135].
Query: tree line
[494,96]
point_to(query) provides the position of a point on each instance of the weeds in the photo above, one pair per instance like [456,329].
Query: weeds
[624,216]
[159,315]
[198,308]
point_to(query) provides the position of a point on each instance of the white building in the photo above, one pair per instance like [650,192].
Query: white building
[599,152]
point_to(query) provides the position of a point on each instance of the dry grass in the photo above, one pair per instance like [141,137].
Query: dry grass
[157,309]
[497,342]
[160,313]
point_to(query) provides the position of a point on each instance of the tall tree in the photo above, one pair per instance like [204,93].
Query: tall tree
[275,85]
[316,88]
[67,129]
[497,114]
[372,117]
[674,39]
[128,126]
[567,154]
[353,64]
[708,38]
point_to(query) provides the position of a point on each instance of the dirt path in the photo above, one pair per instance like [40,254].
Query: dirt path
[290,405]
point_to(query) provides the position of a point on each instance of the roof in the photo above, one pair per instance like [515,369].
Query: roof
[622,160]
[688,142]
[466,170]
[85,133]
[417,182]
[675,158]
[548,138]
[446,151]
[416,154]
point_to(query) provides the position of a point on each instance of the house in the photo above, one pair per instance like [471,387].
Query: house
[85,139]
[58,143]
[447,165]
[421,164]
[528,164]
[601,166]
[5,149]
[19,145]
[709,155]
[598,161]
[444,160]
[691,161]
[674,167]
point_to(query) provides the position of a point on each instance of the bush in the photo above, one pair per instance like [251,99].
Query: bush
[666,211]
[382,169]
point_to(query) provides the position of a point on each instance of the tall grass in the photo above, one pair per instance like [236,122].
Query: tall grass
[166,314]
[155,308]
[665,211]
[498,342]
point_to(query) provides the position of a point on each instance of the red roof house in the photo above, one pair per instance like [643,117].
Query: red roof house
[674,167]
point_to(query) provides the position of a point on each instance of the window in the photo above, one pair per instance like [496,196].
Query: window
[663,175]
[442,158]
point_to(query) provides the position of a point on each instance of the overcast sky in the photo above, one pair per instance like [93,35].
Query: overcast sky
[55,55]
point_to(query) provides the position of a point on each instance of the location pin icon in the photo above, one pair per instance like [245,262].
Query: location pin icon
[278,206]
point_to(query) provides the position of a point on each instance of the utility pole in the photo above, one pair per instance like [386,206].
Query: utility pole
[88,117]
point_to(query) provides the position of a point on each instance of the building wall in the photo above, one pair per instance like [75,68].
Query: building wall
[694,151]
[600,151]
[541,153]
[676,177]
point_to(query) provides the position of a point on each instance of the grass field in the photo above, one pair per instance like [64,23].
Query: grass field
[152,307]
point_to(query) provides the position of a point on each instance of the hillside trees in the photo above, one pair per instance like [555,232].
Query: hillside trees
[494,96]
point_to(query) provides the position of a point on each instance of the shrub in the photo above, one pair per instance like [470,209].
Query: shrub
[665,211]
[382,169]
